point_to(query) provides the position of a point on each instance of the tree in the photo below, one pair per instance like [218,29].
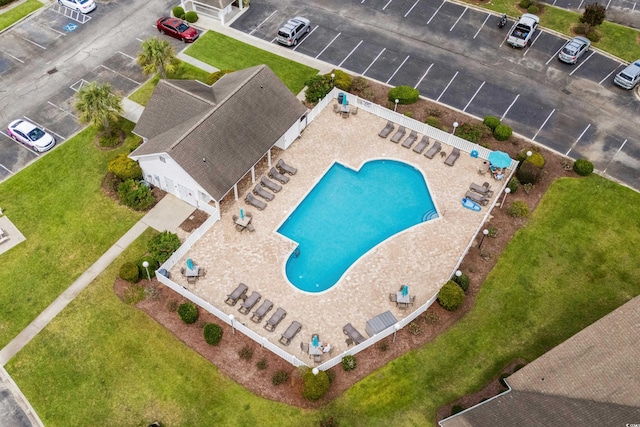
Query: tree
[593,15]
[99,105]
[157,56]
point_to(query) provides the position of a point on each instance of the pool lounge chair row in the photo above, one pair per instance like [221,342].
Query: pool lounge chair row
[277,173]
[353,334]
[421,146]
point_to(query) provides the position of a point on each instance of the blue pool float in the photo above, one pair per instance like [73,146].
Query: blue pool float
[470,204]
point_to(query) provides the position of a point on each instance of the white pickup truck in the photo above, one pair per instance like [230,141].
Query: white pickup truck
[523,30]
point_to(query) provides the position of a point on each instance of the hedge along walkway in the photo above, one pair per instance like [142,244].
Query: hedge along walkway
[168,214]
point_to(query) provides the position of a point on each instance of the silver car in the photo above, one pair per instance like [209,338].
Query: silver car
[574,49]
[293,30]
[31,135]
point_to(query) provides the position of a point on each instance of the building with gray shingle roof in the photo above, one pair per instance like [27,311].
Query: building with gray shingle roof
[200,140]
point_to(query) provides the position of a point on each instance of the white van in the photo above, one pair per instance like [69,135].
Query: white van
[629,77]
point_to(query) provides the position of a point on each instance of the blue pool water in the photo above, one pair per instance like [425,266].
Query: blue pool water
[348,213]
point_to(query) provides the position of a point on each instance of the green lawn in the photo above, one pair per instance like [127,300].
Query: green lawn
[67,221]
[183,71]
[15,14]
[226,53]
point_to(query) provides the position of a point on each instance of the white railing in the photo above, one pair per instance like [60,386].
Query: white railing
[321,105]
[190,241]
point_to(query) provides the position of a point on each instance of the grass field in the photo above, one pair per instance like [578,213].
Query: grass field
[183,71]
[67,221]
[15,14]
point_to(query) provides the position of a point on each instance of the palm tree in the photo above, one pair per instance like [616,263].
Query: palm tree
[157,56]
[97,104]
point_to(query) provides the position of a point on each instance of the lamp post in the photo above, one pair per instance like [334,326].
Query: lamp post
[397,328]
[396,106]
[233,330]
[315,371]
[333,76]
[506,191]
[145,264]
[484,234]
[455,126]
[458,273]
[529,153]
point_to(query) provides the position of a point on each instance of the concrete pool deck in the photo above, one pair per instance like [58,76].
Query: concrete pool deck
[422,257]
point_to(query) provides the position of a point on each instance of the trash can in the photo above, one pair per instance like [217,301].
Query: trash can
[165,273]
[340,98]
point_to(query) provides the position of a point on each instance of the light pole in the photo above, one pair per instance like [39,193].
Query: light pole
[233,330]
[145,264]
[396,106]
[315,371]
[506,191]
[529,153]
[455,126]
[458,273]
[333,76]
[484,234]
[397,328]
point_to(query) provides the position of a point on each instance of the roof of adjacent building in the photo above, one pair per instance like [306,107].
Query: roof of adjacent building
[218,133]
[591,379]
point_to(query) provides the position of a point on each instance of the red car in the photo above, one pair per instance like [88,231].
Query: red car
[177,28]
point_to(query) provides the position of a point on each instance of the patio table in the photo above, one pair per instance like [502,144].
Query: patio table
[192,272]
[313,350]
[402,299]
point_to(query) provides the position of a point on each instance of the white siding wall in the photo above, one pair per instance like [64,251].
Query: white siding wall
[290,135]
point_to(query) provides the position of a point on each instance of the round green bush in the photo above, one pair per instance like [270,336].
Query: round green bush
[462,281]
[533,9]
[536,159]
[188,313]
[162,245]
[404,94]
[583,167]
[212,333]
[433,121]
[315,386]
[359,84]
[502,132]
[513,185]
[491,122]
[593,36]
[129,272]
[528,173]
[451,296]
[279,377]
[178,12]
[519,209]
[125,168]
[341,80]
[135,195]
[191,16]
[153,266]
[318,87]
[217,75]
[456,409]
[349,363]
[408,114]
[524,4]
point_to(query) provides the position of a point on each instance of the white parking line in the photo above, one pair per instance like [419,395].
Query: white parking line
[436,12]
[544,123]
[454,24]
[609,75]
[397,69]
[532,42]
[260,24]
[474,95]
[305,37]
[60,108]
[485,21]
[634,7]
[554,55]
[580,5]
[614,156]
[325,48]
[414,5]
[576,141]
[447,87]
[17,59]
[388,3]
[3,167]
[581,63]
[374,60]
[121,75]
[509,107]
[128,56]
[32,42]
[607,8]
[423,76]
[350,53]
[56,31]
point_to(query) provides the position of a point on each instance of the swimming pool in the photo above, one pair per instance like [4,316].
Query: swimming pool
[348,213]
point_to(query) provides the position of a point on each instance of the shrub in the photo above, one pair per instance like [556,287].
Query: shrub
[262,364]
[433,121]
[462,281]
[162,245]
[456,408]
[318,87]
[583,167]
[580,28]
[153,266]
[212,333]
[178,12]
[246,353]
[519,209]
[135,195]
[188,313]
[191,16]
[493,231]
[533,9]
[129,272]
[404,94]
[470,132]
[408,114]
[414,328]
[341,80]
[125,168]
[134,294]
[431,318]
[513,184]
[594,14]
[593,36]
[172,305]
[451,296]
[536,159]
[502,132]
[331,375]
[524,4]
[349,363]
[528,173]
[368,94]
[279,377]
[359,84]
[315,386]
[527,188]
[491,122]
[217,75]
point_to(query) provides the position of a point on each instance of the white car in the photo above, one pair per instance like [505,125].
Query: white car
[29,134]
[83,6]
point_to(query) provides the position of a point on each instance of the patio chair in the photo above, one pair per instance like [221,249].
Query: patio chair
[348,342]
[354,110]
[484,189]
[275,320]
[239,292]
[393,297]
[304,347]
[317,358]
[413,300]
[399,134]
[413,136]
[273,173]
[353,333]
[387,130]
[435,149]
[452,157]
[482,200]
[290,332]
[266,182]
[402,305]
[259,191]
[285,168]
[336,108]
[192,280]
[259,204]
[250,227]
[248,304]
[419,148]
[262,311]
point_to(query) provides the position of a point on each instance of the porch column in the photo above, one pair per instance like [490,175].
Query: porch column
[253,174]
[269,157]
[235,192]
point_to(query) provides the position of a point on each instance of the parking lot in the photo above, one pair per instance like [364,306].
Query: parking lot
[457,56]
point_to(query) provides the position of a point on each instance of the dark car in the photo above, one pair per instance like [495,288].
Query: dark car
[177,28]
